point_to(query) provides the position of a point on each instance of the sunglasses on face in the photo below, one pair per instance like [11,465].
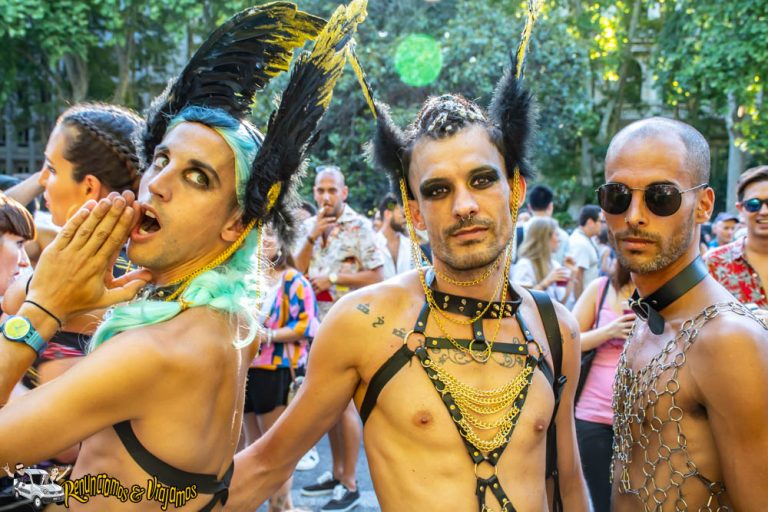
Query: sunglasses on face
[662,199]
[753,205]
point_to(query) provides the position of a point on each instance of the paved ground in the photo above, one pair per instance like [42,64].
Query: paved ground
[301,478]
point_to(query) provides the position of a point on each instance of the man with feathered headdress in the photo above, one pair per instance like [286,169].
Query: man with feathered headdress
[457,372]
[160,398]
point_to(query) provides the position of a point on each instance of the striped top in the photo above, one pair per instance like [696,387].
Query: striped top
[295,307]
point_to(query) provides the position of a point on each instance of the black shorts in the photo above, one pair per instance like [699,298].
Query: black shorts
[266,389]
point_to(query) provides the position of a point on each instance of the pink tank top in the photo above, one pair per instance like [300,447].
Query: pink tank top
[595,401]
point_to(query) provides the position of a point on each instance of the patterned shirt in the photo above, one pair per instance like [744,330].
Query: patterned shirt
[294,306]
[728,264]
[350,248]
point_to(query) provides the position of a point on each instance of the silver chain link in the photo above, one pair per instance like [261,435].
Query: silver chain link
[639,401]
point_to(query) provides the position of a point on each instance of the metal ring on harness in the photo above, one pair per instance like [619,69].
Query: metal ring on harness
[407,335]
[495,470]
[487,352]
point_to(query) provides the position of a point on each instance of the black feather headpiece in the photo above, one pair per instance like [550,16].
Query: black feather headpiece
[237,60]
[292,127]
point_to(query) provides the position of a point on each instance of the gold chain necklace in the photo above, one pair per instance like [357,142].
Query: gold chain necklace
[472,403]
[485,355]
[473,282]
[434,306]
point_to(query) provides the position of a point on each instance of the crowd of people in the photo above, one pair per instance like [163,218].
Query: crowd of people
[181,308]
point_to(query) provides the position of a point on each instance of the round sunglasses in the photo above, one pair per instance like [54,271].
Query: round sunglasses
[662,199]
[753,205]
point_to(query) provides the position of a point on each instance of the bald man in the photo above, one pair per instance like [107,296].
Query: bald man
[338,252]
[691,411]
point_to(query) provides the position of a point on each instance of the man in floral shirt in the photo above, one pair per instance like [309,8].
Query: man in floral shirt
[337,250]
[742,265]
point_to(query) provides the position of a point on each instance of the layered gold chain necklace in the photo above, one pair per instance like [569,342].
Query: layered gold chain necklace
[474,405]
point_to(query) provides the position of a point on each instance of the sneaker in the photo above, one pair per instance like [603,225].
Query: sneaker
[325,485]
[309,460]
[343,499]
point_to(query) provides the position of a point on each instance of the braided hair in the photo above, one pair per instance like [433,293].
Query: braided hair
[104,144]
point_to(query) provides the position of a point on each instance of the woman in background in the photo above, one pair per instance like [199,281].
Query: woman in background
[16,228]
[536,267]
[291,322]
[604,321]
[89,154]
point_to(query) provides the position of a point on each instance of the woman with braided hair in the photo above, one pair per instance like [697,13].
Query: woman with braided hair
[90,153]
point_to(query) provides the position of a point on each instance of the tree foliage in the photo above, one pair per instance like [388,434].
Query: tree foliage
[590,65]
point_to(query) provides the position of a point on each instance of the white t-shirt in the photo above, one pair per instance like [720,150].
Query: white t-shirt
[585,254]
[404,262]
[524,274]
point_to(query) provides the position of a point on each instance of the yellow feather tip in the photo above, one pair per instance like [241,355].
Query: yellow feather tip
[326,55]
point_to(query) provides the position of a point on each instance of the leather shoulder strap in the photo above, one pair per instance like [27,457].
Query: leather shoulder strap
[555,340]
[551,329]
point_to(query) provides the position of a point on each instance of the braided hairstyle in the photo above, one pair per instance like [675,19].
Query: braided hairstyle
[104,144]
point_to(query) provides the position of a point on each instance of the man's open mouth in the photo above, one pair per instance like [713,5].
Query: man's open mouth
[148,223]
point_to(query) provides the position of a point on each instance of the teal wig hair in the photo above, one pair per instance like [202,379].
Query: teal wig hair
[231,287]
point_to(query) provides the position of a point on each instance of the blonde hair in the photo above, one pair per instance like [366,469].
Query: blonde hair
[536,245]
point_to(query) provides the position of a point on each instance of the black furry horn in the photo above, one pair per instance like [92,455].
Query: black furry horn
[511,109]
[237,60]
[387,147]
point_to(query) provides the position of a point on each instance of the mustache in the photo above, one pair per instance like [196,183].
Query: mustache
[468,223]
[636,233]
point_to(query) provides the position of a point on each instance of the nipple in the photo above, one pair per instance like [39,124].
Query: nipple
[422,418]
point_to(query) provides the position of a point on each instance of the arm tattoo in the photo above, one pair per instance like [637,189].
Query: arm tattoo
[365,308]
[379,322]
[400,333]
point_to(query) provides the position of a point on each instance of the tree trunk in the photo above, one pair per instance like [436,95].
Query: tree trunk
[736,157]
[76,68]
[124,54]
[586,182]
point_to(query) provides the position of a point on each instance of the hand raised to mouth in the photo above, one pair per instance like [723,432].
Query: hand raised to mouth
[72,274]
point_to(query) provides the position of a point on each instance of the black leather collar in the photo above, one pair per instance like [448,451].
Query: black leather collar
[471,307]
[648,308]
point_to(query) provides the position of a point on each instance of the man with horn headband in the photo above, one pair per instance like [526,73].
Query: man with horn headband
[455,372]
[160,399]
[690,397]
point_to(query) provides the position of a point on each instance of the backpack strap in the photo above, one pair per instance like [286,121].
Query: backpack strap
[555,341]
